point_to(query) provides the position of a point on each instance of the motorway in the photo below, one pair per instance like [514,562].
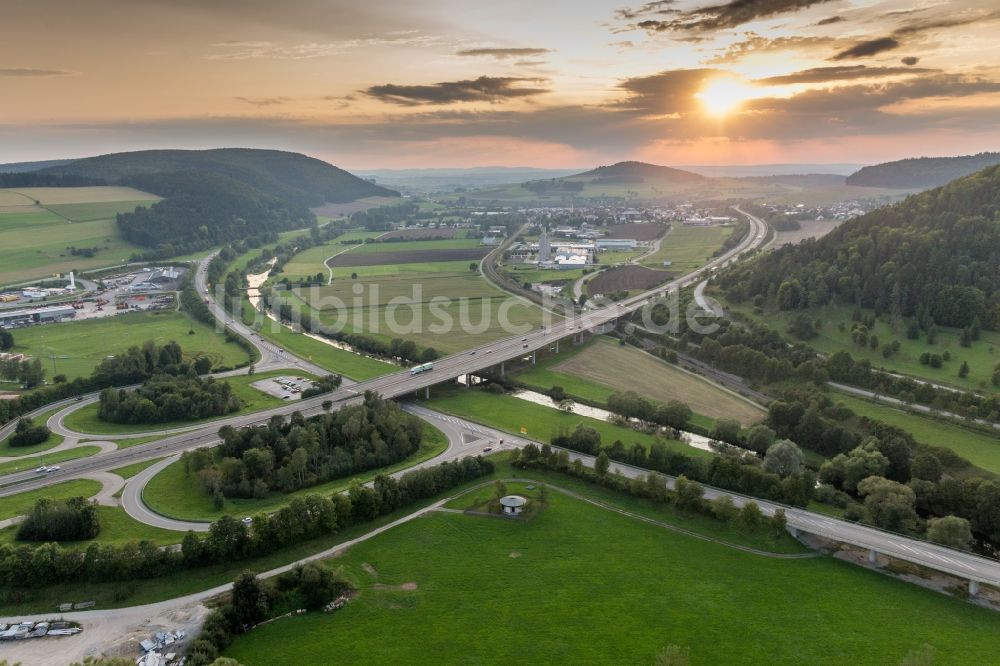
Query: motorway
[401,384]
[395,385]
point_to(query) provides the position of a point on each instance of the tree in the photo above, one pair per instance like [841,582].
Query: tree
[726,430]
[760,438]
[926,466]
[783,458]
[602,464]
[723,508]
[6,339]
[779,521]
[473,266]
[750,517]
[950,531]
[963,371]
[888,504]
[31,373]
[690,494]
[249,599]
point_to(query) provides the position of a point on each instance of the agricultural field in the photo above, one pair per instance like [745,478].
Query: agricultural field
[75,348]
[86,420]
[640,232]
[540,423]
[809,229]
[531,273]
[378,256]
[178,495]
[982,356]
[35,237]
[312,261]
[338,210]
[980,448]
[552,589]
[434,302]
[422,234]
[604,367]
[626,278]
[687,247]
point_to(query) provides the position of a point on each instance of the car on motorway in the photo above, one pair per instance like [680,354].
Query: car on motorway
[472,353]
[42,469]
[487,449]
[54,468]
[525,345]
[489,351]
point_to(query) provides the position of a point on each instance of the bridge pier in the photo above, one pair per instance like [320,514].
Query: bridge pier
[794,531]
[533,357]
[427,393]
[557,346]
[468,380]
[973,588]
[501,368]
[872,556]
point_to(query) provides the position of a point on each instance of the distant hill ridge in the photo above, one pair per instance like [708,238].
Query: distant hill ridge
[630,170]
[921,172]
[291,177]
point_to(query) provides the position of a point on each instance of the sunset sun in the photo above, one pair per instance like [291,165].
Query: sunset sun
[724,95]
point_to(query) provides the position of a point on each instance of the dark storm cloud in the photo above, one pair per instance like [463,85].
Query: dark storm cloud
[910,60]
[841,73]
[483,89]
[831,20]
[867,48]
[27,72]
[729,15]
[502,53]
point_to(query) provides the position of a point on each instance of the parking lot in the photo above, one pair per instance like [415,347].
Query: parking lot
[284,387]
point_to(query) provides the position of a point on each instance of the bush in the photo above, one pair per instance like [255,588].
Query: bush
[74,519]
[27,433]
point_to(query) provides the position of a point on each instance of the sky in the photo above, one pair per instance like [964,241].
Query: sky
[460,83]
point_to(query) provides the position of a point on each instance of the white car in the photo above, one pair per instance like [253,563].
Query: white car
[42,469]
[54,468]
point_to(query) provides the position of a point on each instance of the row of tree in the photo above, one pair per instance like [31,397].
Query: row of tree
[228,539]
[732,470]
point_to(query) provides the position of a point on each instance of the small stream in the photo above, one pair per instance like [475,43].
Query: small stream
[691,439]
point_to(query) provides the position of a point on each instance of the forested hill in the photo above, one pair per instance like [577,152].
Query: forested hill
[216,196]
[628,171]
[934,256]
[921,172]
[291,177]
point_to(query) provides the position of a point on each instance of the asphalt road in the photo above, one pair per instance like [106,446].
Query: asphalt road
[398,384]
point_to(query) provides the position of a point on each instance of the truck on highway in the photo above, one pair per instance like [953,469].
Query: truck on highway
[423,367]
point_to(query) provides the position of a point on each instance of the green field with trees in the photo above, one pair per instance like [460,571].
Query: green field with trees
[21,503]
[75,348]
[570,565]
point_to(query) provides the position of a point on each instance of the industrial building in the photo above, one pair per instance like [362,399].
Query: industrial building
[616,243]
[19,318]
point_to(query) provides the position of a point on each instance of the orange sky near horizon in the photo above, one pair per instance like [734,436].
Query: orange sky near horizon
[559,84]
